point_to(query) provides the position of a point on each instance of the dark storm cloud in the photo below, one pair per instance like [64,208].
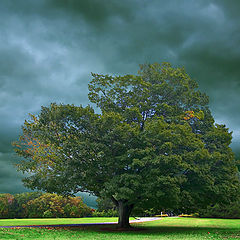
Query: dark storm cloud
[9,180]
[201,35]
[37,66]
[49,47]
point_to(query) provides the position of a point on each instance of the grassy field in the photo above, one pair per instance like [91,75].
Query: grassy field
[167,228]
[51,221]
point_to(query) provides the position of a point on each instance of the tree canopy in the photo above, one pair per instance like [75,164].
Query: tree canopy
[154,144]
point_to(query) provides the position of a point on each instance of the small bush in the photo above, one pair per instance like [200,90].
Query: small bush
[6,205]
[105,213]
[231,210]
[189,215]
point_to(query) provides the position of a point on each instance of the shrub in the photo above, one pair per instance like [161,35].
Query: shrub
[189,215]
[105,213]
[231,210]
[6,205]
[104,204]
[76,208]
[20,203]
[41,205]
[53,205]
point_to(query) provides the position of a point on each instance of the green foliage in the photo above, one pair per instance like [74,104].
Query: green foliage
[20,203]
[105,213]
[47,205]
[154,145]
[6,205]
[231,210]
[105,208]
[104,204]
[53,205]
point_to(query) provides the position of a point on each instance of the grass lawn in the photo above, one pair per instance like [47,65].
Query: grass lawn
[51,221]
[167,228]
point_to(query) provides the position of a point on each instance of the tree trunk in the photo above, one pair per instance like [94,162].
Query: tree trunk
[124,209]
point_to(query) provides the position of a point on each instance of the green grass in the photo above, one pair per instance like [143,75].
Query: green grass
[51,221]
[167,228]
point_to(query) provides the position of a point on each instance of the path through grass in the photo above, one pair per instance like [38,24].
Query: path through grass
[167,228]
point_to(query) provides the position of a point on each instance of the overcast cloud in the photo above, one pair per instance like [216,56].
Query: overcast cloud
[48,48]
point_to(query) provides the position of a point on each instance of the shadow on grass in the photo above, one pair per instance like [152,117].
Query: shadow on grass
[139,231]
[155,230]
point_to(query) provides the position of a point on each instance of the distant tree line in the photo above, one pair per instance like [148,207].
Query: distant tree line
[42,205]
[230,210]
[47,205]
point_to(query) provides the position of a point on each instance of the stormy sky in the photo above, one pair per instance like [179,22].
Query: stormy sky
[48,48]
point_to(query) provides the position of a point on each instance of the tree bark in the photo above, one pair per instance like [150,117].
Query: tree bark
[124,209]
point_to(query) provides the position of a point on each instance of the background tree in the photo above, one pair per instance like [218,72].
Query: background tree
[52,205]
[154,144]
[6,203]
[39,205]
[20,203]
[105,204]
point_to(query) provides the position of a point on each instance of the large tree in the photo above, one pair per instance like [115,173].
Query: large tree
[154,144]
